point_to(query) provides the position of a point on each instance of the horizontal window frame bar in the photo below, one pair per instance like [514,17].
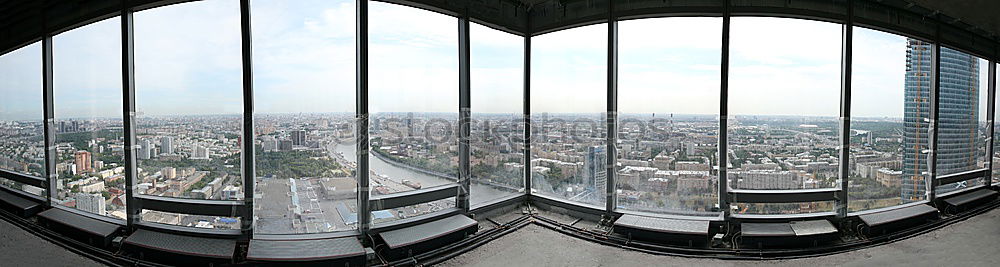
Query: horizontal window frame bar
[961,176]
[411,221]
[782,196]
[782,217]
[590,210]
[960,191]
[308,236]
[889,208]
[39,199]
[222,208]
[717,217]
[25,179]
[414,197]
[189,231]
[491,205]
[74,211]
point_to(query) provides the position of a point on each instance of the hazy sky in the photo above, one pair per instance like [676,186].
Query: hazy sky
[188,62]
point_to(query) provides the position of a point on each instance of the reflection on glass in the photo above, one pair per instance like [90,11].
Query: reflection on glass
[889,119]
[413,101]
[962,131]
[668,124]
[21,130]
[88,119]
[304,115]
[568,150]
[196,221]
[784,106]
[497,132]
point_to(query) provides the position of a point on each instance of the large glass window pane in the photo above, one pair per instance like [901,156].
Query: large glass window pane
[961,138]
[88,118]
[668,103]
[497,139]
[784,91]
[568,103]
[303,55]
[413,101]
[22,144]
[189,101]
[890,108]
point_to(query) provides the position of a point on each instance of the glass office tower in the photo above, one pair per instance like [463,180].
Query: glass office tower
[957,115]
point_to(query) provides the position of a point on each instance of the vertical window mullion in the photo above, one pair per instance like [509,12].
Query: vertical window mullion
[361,116]
[845,110]
[128,109]
[464,113]
[248,106]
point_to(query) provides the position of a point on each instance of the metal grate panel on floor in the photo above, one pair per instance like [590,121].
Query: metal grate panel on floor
[78,222]
[816,227]
[663,225]
[22,206]
[880,218]
[180,244]
[766,229]
[970,197]
[305,250]
[424,232]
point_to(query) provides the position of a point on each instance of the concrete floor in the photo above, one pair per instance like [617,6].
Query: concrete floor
[974,242]
[21,248]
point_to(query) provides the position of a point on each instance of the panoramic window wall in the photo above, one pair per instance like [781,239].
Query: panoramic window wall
[413,101]
[497,132]
[22,144]
[784,109]
[568,106]
[962,116]
[890,116]
[87,96]
[668,104]
[189,104]
[304,84]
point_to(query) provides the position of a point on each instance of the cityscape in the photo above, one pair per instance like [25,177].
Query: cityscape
[306,169]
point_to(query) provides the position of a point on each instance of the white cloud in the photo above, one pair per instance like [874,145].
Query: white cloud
[21,84]
[87,68]
[413,60]
[304,56]
[188,59]
[782,66]
[568,70]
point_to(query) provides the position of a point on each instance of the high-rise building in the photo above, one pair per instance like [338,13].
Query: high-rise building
[166,145]
[299,137]
[595,170]
[269,143]
[82,160]
[958,116]
[169,172]
[93,203]
[285,145]
[145,149]
[199,152]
